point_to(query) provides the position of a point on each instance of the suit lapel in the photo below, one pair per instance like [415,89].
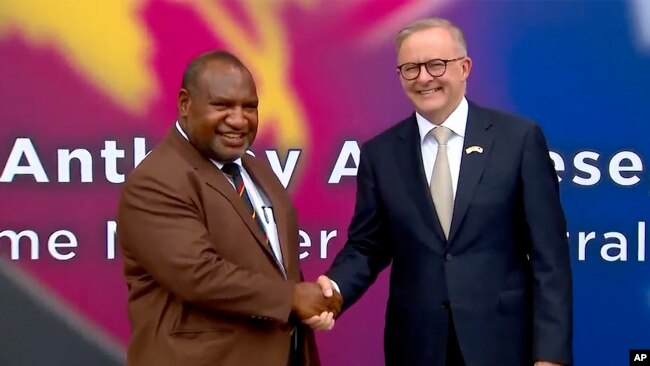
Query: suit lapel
[218,181]
[410,158]
[267,183]
[471,167]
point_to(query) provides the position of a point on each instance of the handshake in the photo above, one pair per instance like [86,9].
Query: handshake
[317,304]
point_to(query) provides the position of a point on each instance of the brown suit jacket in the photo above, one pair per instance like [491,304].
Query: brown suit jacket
[204,290]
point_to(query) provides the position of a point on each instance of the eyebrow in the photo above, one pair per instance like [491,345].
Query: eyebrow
[227,100]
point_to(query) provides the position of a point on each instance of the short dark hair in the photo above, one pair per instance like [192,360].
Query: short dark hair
[197,64]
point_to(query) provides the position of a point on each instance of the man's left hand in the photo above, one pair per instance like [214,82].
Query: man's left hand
[324,322]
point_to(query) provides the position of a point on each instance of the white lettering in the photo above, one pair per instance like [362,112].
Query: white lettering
[325,237]
[85,164]
[111,230]
[592,171]
[349,149]
[616,167]
[284,174]
[14,238]
[621,246]
[305,242]
[111,153]
[53,245]
[23,147]
[558,162]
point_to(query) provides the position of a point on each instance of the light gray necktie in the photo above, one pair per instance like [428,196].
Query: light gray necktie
[441,190]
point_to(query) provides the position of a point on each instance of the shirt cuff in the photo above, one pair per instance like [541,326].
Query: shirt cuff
[336,286]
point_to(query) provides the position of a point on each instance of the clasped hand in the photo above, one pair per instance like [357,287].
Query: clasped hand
[315,309]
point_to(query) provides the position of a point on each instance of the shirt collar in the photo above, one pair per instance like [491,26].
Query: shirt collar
[215,162]
[456,122]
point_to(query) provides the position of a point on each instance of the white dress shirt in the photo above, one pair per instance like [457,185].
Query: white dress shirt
[260,202]
[456,122]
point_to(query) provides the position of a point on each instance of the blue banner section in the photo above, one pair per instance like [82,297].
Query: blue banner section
[582,70]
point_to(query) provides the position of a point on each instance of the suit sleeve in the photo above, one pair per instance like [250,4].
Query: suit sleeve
[549,254]
[366,252]
[164,233]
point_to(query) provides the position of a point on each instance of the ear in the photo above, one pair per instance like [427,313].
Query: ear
[184,102]
[467,67]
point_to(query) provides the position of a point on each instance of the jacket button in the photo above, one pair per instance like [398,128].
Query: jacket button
[448,257]
[445,305]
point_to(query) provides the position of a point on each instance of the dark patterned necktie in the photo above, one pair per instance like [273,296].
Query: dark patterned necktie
[234,172]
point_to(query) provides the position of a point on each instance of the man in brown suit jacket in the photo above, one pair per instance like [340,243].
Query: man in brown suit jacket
[210,256]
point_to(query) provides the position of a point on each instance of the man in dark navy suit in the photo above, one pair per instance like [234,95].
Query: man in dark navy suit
[464,202]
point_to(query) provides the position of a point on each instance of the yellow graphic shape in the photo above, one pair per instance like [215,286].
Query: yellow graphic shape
[266,53]
[102,40]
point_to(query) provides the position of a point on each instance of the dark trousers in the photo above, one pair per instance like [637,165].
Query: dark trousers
[295,354]
[453,355]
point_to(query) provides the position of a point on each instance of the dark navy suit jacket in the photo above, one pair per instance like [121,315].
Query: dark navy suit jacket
[505,270]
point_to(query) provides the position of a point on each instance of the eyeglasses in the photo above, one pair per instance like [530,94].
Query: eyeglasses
[435,68]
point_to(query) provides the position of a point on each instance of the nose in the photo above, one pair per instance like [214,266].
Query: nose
[236,118]
[424,74]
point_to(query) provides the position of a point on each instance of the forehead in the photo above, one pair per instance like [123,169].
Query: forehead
[428,44]
[220,79]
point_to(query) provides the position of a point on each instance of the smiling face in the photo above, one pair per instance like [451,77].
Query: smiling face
[219,112]
[434,97]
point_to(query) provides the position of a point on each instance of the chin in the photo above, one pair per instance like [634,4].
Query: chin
[232,154]
[430,108]
[431,103]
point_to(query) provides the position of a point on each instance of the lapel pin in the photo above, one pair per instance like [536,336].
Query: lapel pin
[474,148]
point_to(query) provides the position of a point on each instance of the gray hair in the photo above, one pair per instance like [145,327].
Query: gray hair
[428,23]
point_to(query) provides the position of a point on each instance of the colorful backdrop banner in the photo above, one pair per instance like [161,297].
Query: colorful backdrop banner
[87,88]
